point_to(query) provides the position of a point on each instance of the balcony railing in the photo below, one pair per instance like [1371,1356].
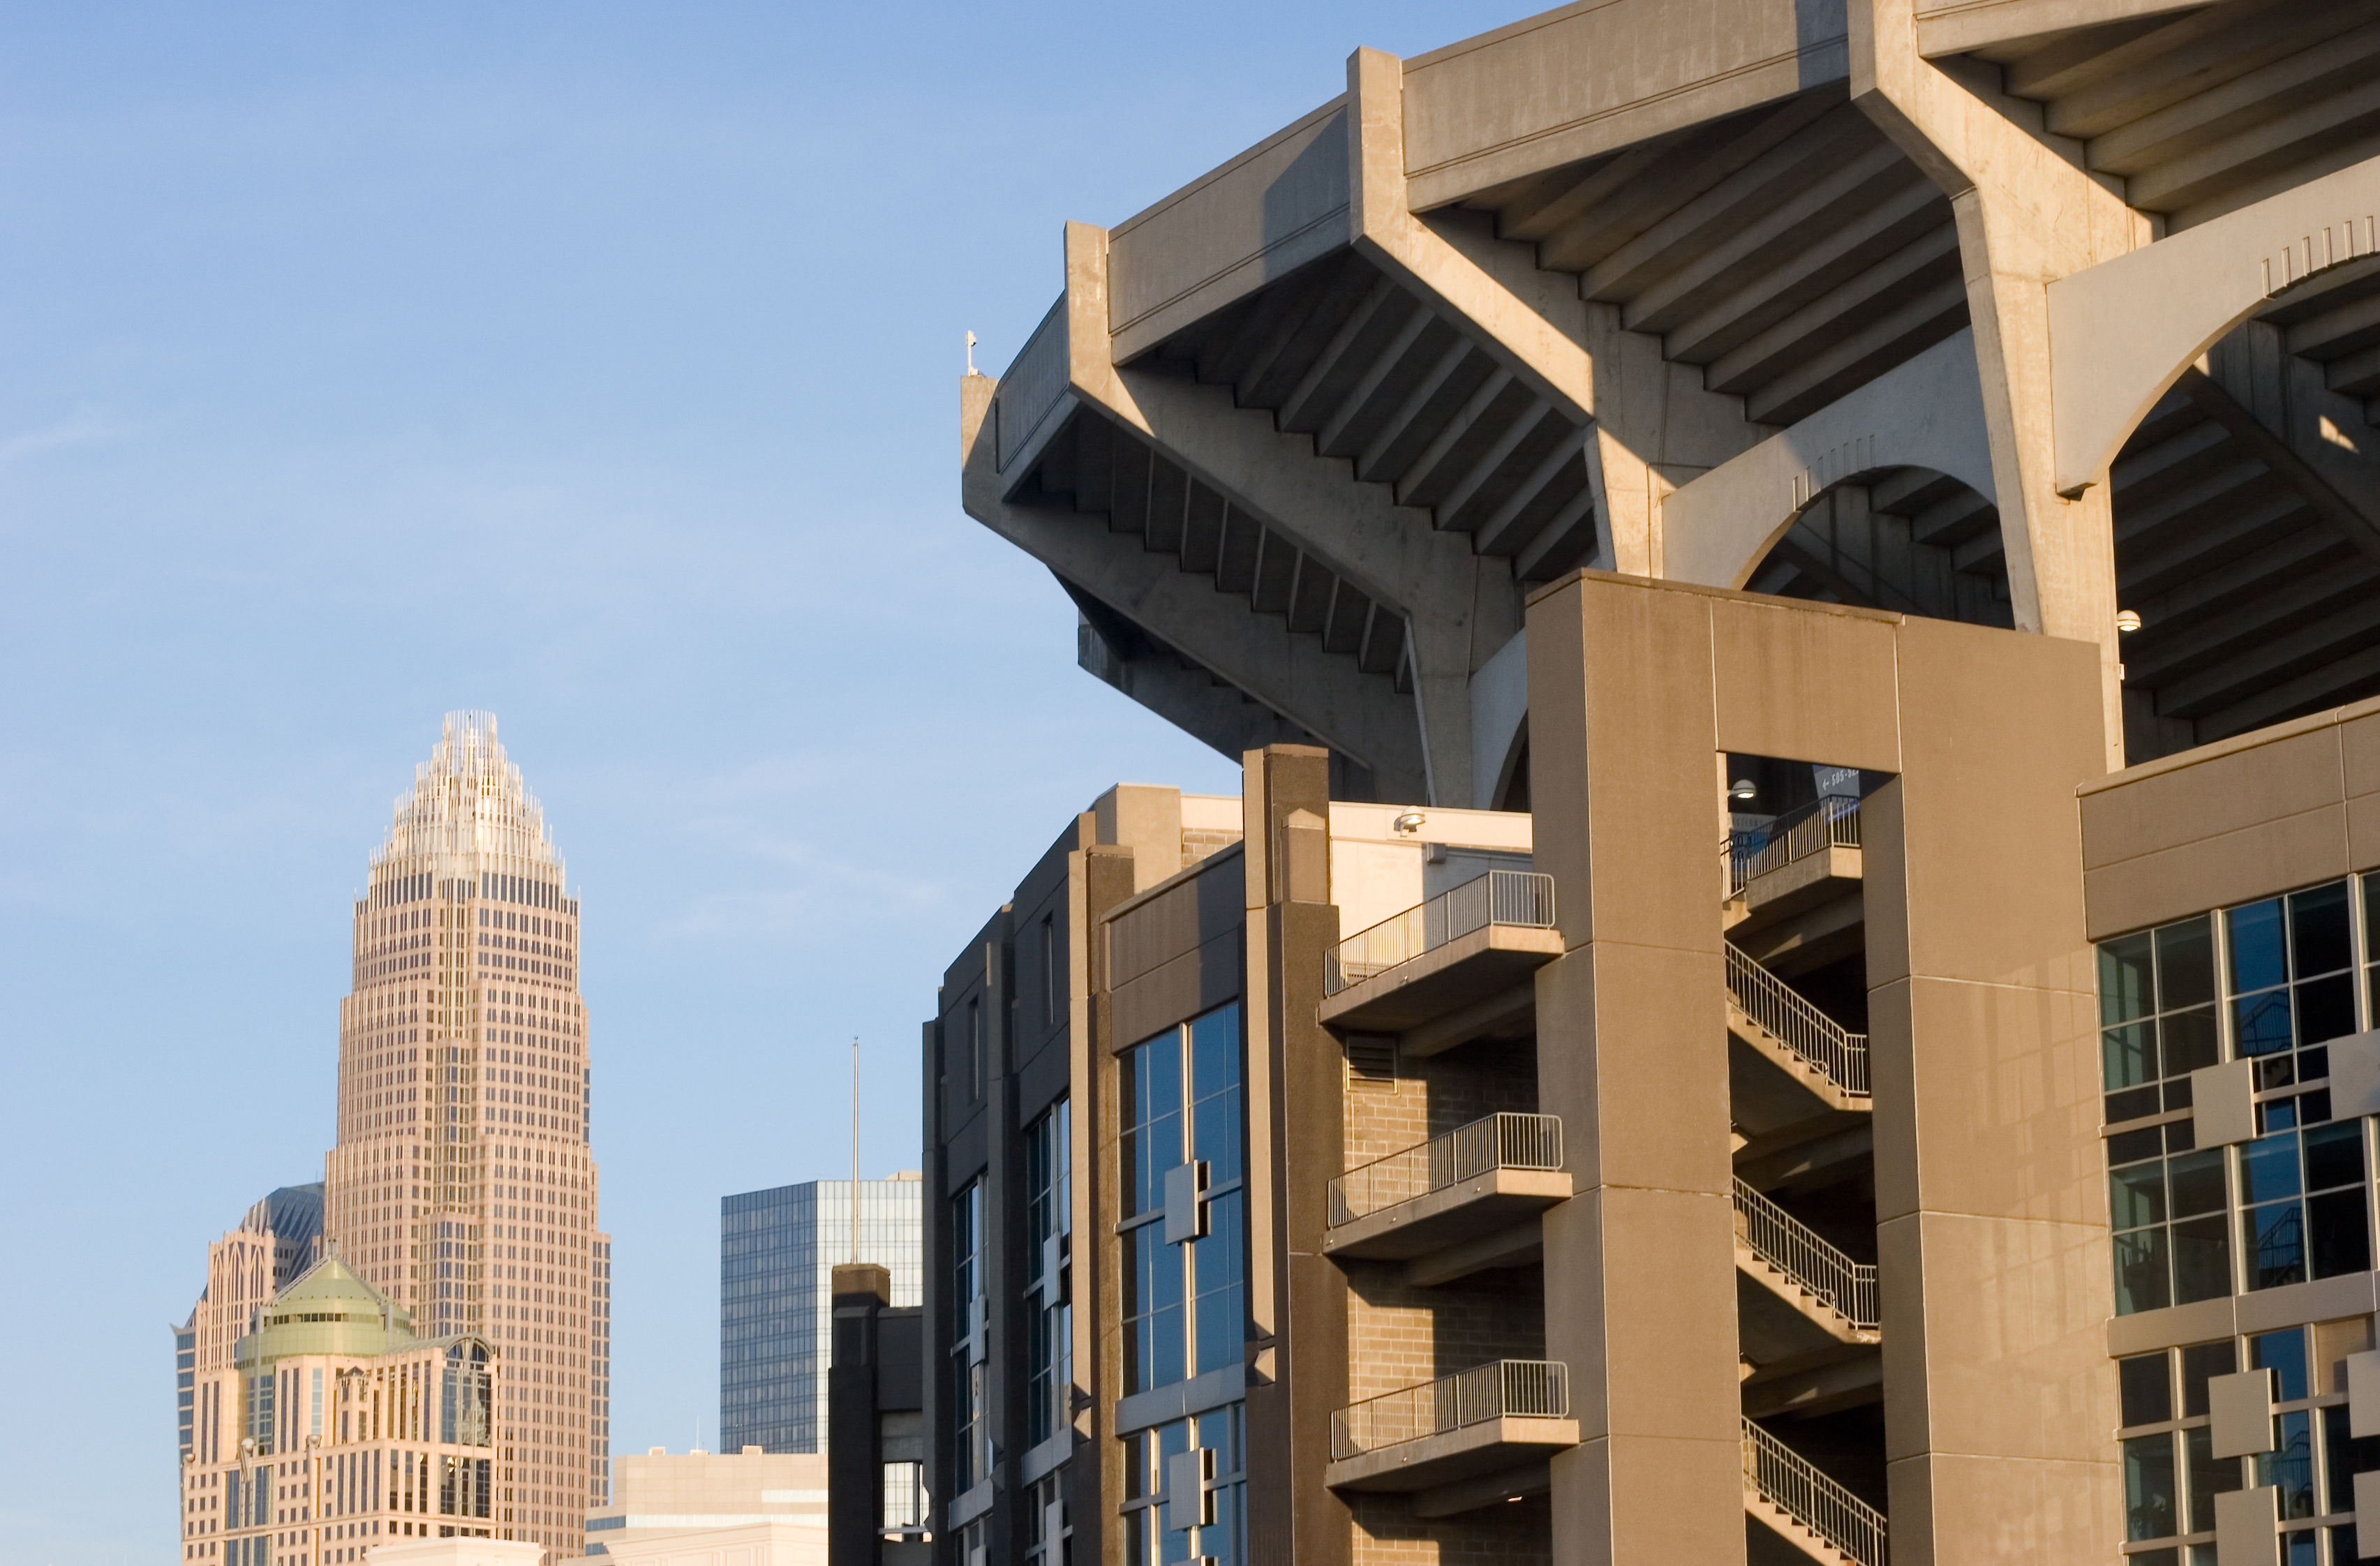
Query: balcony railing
[1500,1141]
[1785,1480]
[1831,823]
[1500,897]
[1528,1389]
[1780,1012]
[1795,1249]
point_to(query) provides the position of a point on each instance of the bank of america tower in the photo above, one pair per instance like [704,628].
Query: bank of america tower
[463,1185]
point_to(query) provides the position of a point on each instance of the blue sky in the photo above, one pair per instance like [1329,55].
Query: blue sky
[595,365]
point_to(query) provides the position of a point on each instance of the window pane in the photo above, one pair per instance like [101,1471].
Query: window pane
[2147,1383]
[2259,954]
[2134,1145]
[2149,1511]
[2141,1280]
[1215,1053]
[2124,980]
[2283,1353]
[2334,1156]
[2202,1259]
[2275,1239]
[2129,1054]
[2260,1023]
[2136,1195]
[2196,1182]
[2185,957]
[2268,1168]
[2209,1476]
[2199,1362]
[2343,1457]
[2188,1041]
[2325,1009]
[2289,1465]
[2337,1235]
[2318,935]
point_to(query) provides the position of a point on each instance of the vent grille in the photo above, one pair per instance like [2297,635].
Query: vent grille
[1372,1060]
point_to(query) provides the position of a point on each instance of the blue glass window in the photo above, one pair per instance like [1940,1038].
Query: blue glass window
[1184,1304]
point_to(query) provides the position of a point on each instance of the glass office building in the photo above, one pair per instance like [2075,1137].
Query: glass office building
[778,1250]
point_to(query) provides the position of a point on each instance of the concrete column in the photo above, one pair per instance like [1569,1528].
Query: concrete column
[1991,1196]
[1632,1030]
[2028,214]
[853,1446]
[1297,1297]
[1101,875]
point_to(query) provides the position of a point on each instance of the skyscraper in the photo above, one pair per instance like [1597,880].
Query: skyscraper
[778,1250]
[462,1184]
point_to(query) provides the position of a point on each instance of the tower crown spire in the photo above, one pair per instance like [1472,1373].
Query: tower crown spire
[468,802]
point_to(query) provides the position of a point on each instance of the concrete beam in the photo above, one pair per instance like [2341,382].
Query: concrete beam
[1956,26]
[1652,422]
[1459,607]
[1584,80]
[1181,693]
[2123,330]
[2028,214]
[1268,211]
[1355,712]
[1926,413]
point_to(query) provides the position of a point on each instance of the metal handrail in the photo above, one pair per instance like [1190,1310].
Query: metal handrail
[1801,1253]
[1830,822]
[1497,1141]
[1520,1389]
[1779,1011]
[1497,897]
[1788,1481]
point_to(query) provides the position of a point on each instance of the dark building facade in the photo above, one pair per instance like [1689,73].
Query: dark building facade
[875,1437]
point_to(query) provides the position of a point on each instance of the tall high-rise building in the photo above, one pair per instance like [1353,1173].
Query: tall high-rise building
[778,1250]
[462,1186]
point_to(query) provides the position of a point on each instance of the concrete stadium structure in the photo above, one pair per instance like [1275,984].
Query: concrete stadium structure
[2014,313]
[1924,449]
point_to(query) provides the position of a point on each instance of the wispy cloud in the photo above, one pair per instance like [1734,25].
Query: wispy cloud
[83,429]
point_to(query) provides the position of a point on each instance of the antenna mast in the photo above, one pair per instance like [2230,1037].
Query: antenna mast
[855,1150]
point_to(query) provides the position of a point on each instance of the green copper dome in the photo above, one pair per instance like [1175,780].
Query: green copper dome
[330,1310]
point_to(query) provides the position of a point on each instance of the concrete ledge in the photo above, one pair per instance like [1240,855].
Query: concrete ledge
[1519,1246]
[1466,1209]
[1450,1455]
[1472,967]
[1805,882]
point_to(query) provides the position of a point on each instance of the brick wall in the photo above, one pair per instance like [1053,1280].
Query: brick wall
[1400,1336]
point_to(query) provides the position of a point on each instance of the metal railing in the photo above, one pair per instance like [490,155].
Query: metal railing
[1795,1249]
[1499,1141]
[1786,1479]
[1499,897]
[1525,1389]
[1778,1010]
[1830,822]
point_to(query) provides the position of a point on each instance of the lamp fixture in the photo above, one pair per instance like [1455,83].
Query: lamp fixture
[1409,823]
[1741,788]
[2127,621]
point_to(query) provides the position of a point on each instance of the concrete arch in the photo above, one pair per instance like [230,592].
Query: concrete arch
[2122,333]
[1926,413]
[1893,537]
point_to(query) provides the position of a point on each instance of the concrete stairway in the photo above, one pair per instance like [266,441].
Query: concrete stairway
[1787,1495]
[1836,1294]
